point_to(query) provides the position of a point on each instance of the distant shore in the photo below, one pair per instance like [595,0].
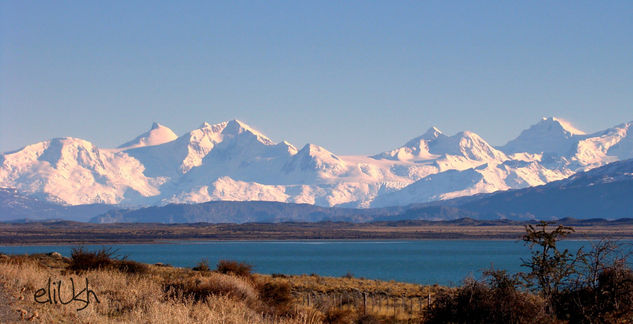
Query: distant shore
[65,232]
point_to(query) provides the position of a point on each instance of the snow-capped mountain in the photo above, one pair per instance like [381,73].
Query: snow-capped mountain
[466,147]
[550,135]
[157,135]
[74,171]
[603,192]
[609,145]
[233,161]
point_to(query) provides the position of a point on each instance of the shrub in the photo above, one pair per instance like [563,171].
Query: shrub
[131,267]
[277,296]
[83,260]
[367,319]
[609,301]
[336,315]
[233,267]
[592,287]
[199,289]
[202,266]
[550,268]
[496,300]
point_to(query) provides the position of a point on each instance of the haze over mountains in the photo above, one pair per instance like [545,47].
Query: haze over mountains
[233,161]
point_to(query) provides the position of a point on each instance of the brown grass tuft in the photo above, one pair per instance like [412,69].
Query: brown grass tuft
[202,266]
[215,284]
[237,268]
[82,260]
[277,296]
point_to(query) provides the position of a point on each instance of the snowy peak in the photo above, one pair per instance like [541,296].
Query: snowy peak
[157,135]
[55,151]
[74,171]
[565,125]
[287,147]
[317,152]
[469,145]
[415,149]
[314,158]
[232,160]
[432,133]
[229,140]
[434,144]
[549,135]
[233,128]
[610,145]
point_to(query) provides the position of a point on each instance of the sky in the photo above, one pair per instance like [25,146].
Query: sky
[357,77]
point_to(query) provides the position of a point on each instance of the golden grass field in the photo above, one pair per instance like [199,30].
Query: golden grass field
[165,294]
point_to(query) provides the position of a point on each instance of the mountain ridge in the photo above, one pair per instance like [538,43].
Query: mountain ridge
[232,160]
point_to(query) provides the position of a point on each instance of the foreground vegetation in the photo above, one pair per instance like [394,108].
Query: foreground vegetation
[131,292]
[559,286]
[594,286]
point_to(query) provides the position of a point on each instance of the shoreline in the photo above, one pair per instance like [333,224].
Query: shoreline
[74,233]
[193,241]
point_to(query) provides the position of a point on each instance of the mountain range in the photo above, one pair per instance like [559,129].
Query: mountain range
[604,192]
[232,161]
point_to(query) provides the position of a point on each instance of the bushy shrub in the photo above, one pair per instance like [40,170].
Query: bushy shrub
[233,267]
[277,295]
[84,260]
[367,319]
[335,315]
[131,267]
[496,300]
[609,302]
[199,289]
[202,266]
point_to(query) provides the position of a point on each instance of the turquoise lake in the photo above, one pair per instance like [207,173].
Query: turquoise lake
[446,262]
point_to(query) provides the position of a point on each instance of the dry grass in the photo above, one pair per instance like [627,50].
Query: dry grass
[236,268]
[163,294]
[318,284]
[345,299]
[134,298]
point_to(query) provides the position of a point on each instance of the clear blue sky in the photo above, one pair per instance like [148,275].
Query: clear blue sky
[354,77]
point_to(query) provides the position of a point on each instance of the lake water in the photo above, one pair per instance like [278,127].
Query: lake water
[446,262]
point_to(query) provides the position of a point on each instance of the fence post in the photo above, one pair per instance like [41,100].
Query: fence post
[394,307]
[364,303]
